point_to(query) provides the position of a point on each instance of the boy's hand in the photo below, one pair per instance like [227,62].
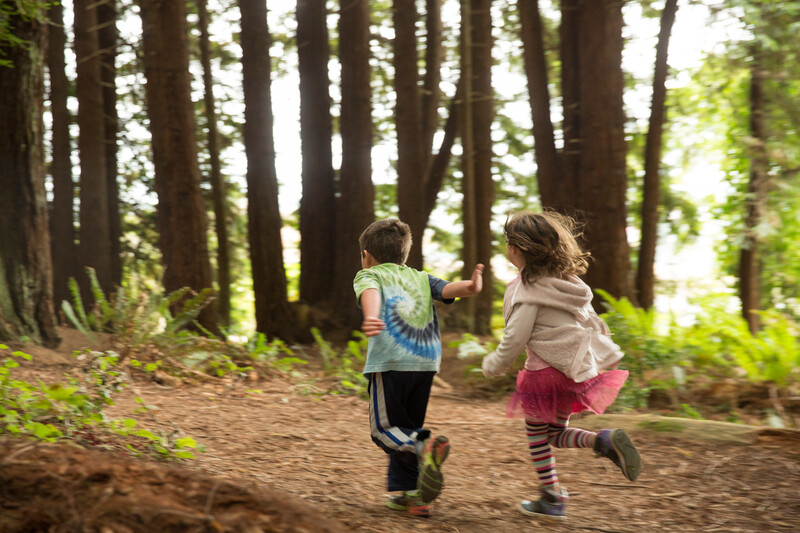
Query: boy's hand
[464,288]
[372,326]
[476,282]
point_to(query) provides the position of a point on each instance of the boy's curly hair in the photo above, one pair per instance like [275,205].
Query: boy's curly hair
[549,244]
[387,240]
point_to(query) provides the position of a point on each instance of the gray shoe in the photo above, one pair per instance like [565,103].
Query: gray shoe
[617,446]
[551,505]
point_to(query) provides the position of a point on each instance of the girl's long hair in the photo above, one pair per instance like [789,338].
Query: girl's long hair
[549,244]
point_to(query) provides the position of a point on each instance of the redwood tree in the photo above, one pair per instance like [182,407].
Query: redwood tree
[182,222]
[62,212]
[588,177]
[416,116]
[218,186]
[478,186]
[756,199]
[26,291]
[355,209]
[95,237]
[107,41]
[273,314]
[645,275]
[318,202]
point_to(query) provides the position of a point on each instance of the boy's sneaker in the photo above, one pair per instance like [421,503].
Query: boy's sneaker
[431,480]
[411,502]
[617,446]
[551,505]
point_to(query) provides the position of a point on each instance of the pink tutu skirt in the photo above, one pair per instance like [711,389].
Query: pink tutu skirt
[544,394]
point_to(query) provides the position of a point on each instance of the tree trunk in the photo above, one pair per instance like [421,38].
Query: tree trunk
[107,36]
[218,186]
[749,267]
[273,314]
[182,219]
[26,291]
[548,167]
[318,202]
[482,103]
[645,275]
[355,210]
[594,138]
[408,119]
[416,114]
[95,238]
[62,215]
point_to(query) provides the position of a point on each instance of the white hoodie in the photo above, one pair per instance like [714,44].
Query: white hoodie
[554,321]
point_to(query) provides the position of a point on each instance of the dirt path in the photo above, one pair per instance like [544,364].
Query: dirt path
[318,450]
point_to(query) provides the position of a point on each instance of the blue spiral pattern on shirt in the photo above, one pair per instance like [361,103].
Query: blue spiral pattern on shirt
[423,342]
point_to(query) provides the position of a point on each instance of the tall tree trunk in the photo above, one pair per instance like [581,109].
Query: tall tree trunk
[26,290]
[408,120]
[437,170]
[182,219]
[318,202]
[416,114]
[218,186]
[355,209]
[273,314]
[645,275]
[107,40]
[548,164]
[594,179]
[482,104]
[95,239]
[749,267]
[62,215]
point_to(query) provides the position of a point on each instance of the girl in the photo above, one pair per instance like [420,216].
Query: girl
[548,311]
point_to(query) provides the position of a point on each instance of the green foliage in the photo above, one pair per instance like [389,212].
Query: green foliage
[17,9]
[345,365]
[75,410]
[635,331]
[135,313]
[722,340]
[275,353]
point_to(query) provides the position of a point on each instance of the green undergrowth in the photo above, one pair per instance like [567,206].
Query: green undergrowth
[74,409]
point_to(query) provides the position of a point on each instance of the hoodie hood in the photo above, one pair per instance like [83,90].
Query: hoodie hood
[571,295]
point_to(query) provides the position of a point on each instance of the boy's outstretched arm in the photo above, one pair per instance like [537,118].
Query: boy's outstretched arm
[371,307]
[462,289]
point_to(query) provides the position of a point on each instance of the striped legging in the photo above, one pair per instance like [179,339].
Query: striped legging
[544,435]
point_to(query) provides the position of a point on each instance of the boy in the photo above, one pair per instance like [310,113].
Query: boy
[403,355]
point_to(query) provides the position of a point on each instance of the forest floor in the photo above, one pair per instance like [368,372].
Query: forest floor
[277,459]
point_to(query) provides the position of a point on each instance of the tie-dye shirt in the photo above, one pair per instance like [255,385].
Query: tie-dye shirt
[411,340]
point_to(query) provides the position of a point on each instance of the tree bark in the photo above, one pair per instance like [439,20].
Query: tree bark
[408,119]
[602,173]
[26,290]
[95,237]
[483,116]
[645,274]
[62,211]
[318,202]
[218,186]
[182,219]
[477,186]
[107,40]
[548,165]
[749,265]
[273,314]
[355,210]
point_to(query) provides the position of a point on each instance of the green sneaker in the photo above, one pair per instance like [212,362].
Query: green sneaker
[431,480]
[410,502]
